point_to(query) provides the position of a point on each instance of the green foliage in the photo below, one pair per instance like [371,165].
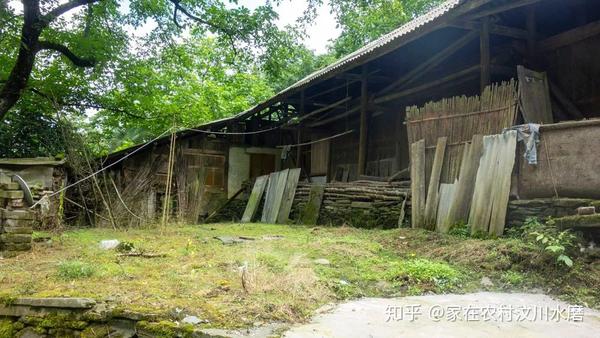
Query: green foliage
[421,270]
[73,269]
[461,230]
[512,278]
[552,240]
[366,20]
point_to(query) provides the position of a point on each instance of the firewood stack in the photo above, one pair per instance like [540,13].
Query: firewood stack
[360,203]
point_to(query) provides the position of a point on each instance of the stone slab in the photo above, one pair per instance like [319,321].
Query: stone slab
[57,302]
[9,186]
[18,214]
[15,247]
[15,238]
[18,223]
[11,194]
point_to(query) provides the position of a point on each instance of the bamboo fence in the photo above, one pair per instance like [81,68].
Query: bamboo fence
[459,118]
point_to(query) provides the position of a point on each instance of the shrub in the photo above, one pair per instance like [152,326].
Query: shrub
[425,271]
[550,239]
[70,270]
[460,230]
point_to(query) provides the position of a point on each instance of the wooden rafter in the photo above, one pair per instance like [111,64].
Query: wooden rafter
[431,63]
[571,36]
[502,8]
[495,29]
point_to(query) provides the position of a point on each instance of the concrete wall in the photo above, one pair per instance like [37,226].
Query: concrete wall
[568,159]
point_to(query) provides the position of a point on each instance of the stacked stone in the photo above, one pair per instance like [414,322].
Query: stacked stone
[364,204]
[16,222]
[542,208]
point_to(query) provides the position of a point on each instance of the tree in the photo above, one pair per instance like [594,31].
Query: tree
[187,83]
[363,21]
[89,37]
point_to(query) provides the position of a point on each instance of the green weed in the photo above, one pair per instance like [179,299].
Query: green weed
[69,270]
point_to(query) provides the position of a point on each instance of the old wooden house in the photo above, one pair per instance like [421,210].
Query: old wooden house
[466,68]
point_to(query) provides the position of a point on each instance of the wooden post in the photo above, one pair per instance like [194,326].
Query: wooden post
[531,32]
[364,122]
[299,148]
[484,46]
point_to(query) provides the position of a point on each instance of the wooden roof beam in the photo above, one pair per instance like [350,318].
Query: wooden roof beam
[570,37]
[431,63]
[495,29]
[502,8]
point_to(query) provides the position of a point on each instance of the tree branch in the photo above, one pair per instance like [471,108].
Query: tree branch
[82,104]
[62,9]
[64,50]
[225,30]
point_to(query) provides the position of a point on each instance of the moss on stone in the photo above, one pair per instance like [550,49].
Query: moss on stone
[56,320]
[579,221]
[165,329]
[96,331]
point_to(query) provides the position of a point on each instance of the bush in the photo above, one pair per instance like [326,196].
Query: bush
[425,271]
[550,239]
[70,270]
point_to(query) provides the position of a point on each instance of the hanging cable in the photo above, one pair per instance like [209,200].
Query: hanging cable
[103,169]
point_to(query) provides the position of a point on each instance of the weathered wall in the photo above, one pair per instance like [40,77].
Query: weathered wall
[568,159]
[239,165]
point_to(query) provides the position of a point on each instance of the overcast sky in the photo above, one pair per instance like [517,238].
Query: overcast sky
[318,34]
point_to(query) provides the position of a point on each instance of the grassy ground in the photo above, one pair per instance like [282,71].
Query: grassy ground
[282,281]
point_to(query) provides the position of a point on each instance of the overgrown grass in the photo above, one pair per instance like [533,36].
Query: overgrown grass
[268,279]
[73,269]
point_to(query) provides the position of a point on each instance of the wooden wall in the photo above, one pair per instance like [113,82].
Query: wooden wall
[576,70]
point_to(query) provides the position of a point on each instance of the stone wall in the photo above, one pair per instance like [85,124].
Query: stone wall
[364,204]
[16,221]
[542,208]
[82,317]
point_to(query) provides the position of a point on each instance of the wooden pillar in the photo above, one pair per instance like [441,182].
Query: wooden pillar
[299,135]
[531,33]
[484,46]
[364,121]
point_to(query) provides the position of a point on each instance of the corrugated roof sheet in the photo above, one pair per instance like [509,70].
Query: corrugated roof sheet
[337,67]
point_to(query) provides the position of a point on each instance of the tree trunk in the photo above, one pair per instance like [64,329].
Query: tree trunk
[17,80]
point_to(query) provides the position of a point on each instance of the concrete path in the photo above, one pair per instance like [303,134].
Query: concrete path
[472,315]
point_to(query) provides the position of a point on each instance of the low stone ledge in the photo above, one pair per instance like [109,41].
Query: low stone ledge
[18,214]
[65,303]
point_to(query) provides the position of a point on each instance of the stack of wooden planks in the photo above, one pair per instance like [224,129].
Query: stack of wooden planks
[280,188]
[480,194]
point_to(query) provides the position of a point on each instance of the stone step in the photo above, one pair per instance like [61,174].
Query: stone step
[579,221]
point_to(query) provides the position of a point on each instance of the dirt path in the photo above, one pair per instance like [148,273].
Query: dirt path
[472,315]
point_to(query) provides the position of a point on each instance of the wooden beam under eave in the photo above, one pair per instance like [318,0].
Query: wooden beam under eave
[495,29]
[299,135]
[471,72]
[484,47]
[430,63]
[570,37]
[502,8]
[364,121]
[531,33]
